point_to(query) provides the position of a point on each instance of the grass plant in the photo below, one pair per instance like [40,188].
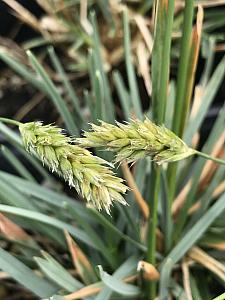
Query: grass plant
[169,241]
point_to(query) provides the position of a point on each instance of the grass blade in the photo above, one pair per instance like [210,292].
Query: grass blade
[54,94]
[57,273]
[25,213]
[22,71]
[15,162]
[68,86]
[117,285]
[25,276]
[99,65]
[135,97]
[191,237]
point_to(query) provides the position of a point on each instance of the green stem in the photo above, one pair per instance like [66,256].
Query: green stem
[151,255]
[207,156]
[179,113]
[160,76]
[9,121]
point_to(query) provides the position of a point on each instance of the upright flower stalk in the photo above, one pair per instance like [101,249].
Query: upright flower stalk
[88,174]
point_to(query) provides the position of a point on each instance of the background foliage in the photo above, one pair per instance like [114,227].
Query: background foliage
[90,60]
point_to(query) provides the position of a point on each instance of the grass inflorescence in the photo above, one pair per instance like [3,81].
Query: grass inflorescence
[90,175]
[136,140]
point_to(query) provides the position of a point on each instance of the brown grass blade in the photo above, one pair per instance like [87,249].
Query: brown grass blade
[193,59]
[210,166]
[143,58]
[220,47]
[80,261]
[84,292]
[199,91]
[46,6]
[217,246]
[219,189]
[93,289]
[206,175]
[25,15]
[142,26]
[137,195]
[180,199]
[201,257]
[11,230]
[83,17]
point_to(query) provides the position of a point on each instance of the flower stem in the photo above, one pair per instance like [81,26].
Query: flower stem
[9,121]
[207,156]
[180,113]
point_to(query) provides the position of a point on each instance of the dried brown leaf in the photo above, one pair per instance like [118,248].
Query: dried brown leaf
[11,230]
[149,272]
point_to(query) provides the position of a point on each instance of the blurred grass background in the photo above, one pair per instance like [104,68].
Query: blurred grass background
[72,62]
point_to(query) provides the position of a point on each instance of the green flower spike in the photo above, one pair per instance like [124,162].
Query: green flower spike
[88,174]
[137,139]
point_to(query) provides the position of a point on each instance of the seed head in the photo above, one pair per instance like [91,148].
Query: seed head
[90,175]
[135,140]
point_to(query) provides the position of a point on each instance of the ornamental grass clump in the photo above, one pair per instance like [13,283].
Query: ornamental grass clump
[88,174]
[137,139]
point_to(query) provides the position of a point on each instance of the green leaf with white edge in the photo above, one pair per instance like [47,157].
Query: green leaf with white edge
[24,72]
[25,276]
[99,63]
[190,238]
[16,163]
[44,194]
[117,285]
[11,136]
[68,86]
[126,269]
[75,232]
[13,197]
[135,97]
[54,95]
[123,94]
[57,273]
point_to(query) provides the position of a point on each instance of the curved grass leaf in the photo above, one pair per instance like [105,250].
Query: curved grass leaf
[190,238]
[54,94]
[25,276]
[126,269]
[75,232]
[57,273]
[117,285]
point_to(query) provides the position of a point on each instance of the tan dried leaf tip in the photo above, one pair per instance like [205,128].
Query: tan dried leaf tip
[148,270]
[89,174]
[137,139]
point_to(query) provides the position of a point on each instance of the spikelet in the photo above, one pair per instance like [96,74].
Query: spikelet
[135,140]
[88,174]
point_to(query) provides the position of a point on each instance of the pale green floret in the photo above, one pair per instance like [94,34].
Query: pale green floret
[136,140]
[88,174]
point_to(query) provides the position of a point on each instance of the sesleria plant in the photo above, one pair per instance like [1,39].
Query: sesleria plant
[169,242]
